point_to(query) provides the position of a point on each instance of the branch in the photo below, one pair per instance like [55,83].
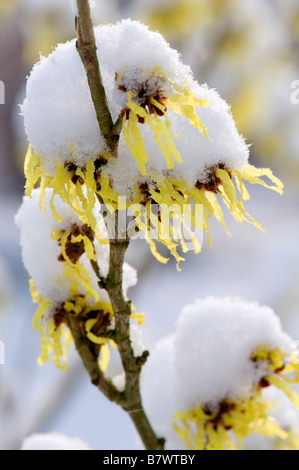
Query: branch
[86,47]
[131,364]
[130,399]
[90,360]
[117,127]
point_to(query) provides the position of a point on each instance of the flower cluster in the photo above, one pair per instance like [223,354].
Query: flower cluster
[214,385]
[64,258]
[286,416]
[179,148]
[178,161]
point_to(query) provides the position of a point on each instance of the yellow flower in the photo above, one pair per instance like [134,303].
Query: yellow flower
[201,428]
[52,324]
[76,187]
[166,209]
[147,107]
[290,443]
[50,319]
[181,209]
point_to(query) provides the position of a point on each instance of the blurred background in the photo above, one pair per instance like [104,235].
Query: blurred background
[249,52]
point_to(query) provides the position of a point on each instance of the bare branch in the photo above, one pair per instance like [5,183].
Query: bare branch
[132,365]
[90,360]
[86,47]
[130,399]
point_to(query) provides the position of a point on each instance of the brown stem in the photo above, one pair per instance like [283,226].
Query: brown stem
[131,364]
[90,360]
[86,47]
[130,399]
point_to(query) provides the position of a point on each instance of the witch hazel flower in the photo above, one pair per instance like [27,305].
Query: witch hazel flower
[60,257]
[60,121]
[148,101]
[180,199]
[212,373]
[179,145]
[286,416]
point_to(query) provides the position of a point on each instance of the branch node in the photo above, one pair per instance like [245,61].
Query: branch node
[141,360]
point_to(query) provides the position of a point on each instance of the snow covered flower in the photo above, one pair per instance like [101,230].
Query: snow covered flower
[62,259]
[149,96]
[179,147]
[286,416]
[212,374]
[67,147]
[211,169]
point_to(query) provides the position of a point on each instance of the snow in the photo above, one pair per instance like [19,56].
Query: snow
[208,359]
[198,153]
[157,391]
[60,120]
[136,339]
[58,110]
[225,333]
[285,415]
[40,251]
[253,265]
[53,441]
[119,381]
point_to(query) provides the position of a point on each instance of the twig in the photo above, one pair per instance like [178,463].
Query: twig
[86,47]
[131,364]
[90,360]
[117,127]
[130,399]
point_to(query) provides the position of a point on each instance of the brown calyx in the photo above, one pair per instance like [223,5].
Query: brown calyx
[144,98]
[214,182]
[225,408]
[263,383]
[72,168]
[145,193]
[102,319]
[75,250]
